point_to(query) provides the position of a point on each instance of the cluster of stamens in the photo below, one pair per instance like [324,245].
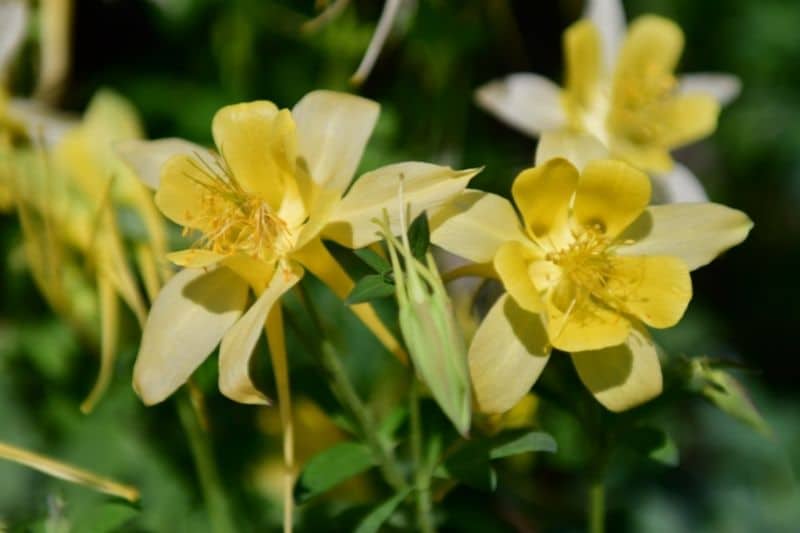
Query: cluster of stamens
[638,94]
[585,260]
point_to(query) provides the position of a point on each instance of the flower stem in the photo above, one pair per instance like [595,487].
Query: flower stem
[218,510]
[422,480]
[597,506]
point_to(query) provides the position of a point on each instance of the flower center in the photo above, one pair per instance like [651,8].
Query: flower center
[638,98]
[585,262]
[232,220]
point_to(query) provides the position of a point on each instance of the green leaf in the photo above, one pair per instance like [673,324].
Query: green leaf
[373,260]
[331,467]
[419,237]
[368,288]
[653,443]
[380,514]
[515,443]
[105,518]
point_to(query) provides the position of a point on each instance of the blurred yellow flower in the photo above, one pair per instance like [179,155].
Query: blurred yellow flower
[621,94]
[590,264]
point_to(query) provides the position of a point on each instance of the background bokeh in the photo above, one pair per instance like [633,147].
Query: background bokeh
[179,61]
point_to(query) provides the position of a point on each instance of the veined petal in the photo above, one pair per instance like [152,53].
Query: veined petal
[256,141]
[655,289]
[611,194]
[584,63]
[507,355]
[576,321]
[13,23]
[543,195]
[146,158]
[679,185]
[332,131]
[695,233]
[609,17]
[474,225]
[424,186]
[653,46]
[725,88]
[576,147]
[240,340]
[623,376]
[191,314]
[527,102]
[512,265]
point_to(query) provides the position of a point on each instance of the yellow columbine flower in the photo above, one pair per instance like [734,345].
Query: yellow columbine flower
[621,93]
[258,211]
[587,268]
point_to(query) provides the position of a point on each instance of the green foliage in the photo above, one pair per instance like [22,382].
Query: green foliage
[332,467]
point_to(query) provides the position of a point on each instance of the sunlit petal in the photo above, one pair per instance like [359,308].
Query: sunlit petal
[527,102]
[512,264]
[679,185]
[609,17]
[576,147]
[584,64]
[146,158]
[725,88]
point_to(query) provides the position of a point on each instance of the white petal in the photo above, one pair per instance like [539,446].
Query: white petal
[189,317]
[41,124]
[146,158]
[724,87]
[13,23]
[527,102]
[425,186]
[576,147]
[624,376]
[679,185]
[240,341]
[609,17]
[507,355]
[696,233]
[462,226]
[332,131]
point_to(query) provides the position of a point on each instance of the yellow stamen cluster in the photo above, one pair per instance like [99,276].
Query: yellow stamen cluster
[585,261]
[636,97]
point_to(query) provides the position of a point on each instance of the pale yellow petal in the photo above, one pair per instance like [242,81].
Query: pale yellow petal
[512,264]
[474,225]
[695,233]
[725,88]
[684,119]
[576,147]
[584,63]
[653,46]
[255,272]
[611,194]
[240,340]
[507,355]
[332,130]
[424,186]
[184,185]
[609,18]
[527,102]
[13,23]
[543,195]
[623,376]
[655,289]
[194,258]
[187,320]
[109,337]
[577,321]
[145,158]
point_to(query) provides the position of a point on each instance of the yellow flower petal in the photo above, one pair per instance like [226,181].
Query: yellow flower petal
[258,143]
[255,272]
[576,321]
[685,119]
[184,184]
[145,158]
[507,355]
[584,64]
[424,186]
[609,17]
[109,337]
[527,102]
[653,46]
[655,289]
[240,340]
[623,376]
[611,194]
[194,258]
[543,196]
[512,264]
[187,320]
[695,233]
[576,147]
[332,131]
[461,226]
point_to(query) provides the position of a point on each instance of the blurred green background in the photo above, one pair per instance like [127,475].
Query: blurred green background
[179,61]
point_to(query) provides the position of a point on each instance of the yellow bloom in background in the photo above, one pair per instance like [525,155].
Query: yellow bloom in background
[620,94]
[587,269]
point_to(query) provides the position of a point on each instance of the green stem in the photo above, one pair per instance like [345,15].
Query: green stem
[597,506]
[422,480]
[345,392]
[218,509]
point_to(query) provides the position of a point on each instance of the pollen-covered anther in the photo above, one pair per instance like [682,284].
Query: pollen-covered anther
[585,261]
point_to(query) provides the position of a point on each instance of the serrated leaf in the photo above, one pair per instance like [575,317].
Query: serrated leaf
[370,287]
[373,260]
[105,518]
[380,514]
[331,467]
[419,237]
